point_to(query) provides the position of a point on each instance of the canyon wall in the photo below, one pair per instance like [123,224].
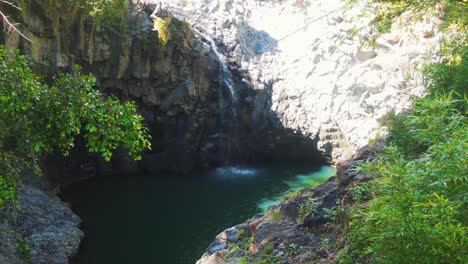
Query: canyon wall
[303,78]
[310,59]
[179,86]
[175,85]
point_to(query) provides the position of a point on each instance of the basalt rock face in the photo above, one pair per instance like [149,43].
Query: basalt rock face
[45,225]
[175,85]
[311,71]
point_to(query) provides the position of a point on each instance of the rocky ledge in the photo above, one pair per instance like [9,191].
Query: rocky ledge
[304,228]
[45,230]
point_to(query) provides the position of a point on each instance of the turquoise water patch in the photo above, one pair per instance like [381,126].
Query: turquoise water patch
[301,181]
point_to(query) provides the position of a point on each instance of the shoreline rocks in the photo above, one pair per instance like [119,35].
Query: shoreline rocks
[44,230]
[300,229]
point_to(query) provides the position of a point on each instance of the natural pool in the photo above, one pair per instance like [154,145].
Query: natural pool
[171,219]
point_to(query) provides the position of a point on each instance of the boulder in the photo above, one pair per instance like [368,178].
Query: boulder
[45,224]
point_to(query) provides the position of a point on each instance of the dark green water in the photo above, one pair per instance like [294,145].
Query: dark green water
[172,219]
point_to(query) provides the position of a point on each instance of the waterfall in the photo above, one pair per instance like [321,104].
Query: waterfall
[228,139]
[225,76]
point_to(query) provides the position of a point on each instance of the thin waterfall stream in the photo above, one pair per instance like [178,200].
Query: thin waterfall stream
[228,104]
[225,76]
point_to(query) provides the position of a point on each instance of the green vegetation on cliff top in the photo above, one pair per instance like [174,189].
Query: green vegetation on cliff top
[112,15]
[418,212]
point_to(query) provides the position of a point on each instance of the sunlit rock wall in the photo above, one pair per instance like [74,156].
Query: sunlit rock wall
[323,82]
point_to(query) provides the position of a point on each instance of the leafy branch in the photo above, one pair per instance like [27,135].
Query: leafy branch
[8,25]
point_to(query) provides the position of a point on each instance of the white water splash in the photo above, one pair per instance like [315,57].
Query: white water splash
[232,172]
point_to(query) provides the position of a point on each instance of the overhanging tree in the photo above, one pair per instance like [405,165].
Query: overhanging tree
[38,118]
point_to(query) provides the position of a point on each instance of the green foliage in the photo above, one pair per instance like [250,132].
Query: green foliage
[240,233]
[419,209]
[307,207]
[388,11]
[37,119]
[375,140]
[10,167]
[150,42]
[337,215]
[353,31]
[245,240]
[449,75]
[432,120]
[292,249]
[112,15]
[331,213]
[291,195]
[179,32]
[326,245]
[362,192]
[276,215]
[266,256]
[23,249]
[419,212]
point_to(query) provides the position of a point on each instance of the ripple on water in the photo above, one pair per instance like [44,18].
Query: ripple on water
[235,172]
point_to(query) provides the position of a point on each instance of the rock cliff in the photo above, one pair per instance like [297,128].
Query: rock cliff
[303,78]
[318,72]
[45,230]
[175,84]
[311,59]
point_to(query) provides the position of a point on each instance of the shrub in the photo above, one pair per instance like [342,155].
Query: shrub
[307,207]
[112,15]
[418,211]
